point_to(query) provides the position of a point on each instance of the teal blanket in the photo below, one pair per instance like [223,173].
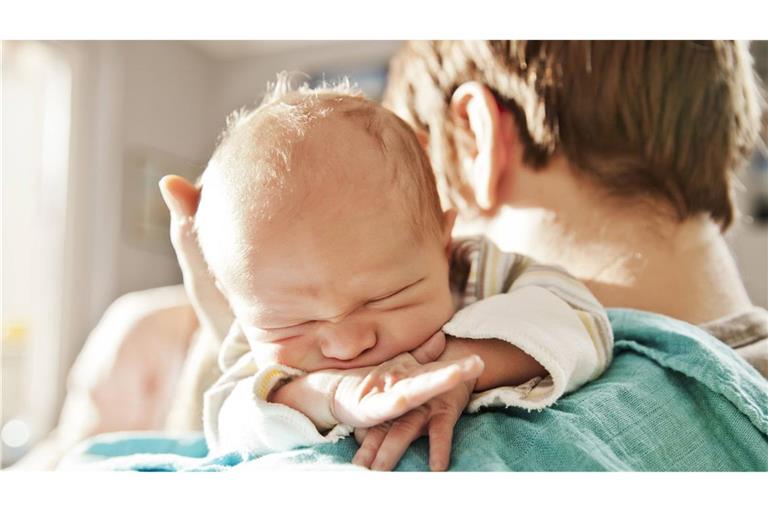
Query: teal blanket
[674,399]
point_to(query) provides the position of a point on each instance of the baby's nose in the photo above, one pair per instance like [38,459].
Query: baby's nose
[346,340]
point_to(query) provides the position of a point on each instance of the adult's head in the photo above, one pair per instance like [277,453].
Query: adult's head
[613,159]
[666,122]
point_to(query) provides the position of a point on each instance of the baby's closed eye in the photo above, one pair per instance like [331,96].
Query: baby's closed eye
[277,334]
[396,297]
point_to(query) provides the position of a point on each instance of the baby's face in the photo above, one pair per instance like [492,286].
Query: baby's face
[336,278]
[343,295]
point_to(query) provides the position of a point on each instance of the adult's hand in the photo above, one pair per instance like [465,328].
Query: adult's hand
[210,305]
[382,446]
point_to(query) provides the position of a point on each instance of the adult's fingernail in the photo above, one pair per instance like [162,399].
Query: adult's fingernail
[438,466]
[379,465]
[170,201]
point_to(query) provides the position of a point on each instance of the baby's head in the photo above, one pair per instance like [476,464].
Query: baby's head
[320,220]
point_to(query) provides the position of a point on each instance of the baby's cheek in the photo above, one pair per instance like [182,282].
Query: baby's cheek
[447,306]
[411,331]
[293,354]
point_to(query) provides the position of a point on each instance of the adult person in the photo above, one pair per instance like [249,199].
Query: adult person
[146,345]
[614,159]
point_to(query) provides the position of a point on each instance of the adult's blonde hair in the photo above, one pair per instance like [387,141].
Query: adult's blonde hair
[669,120]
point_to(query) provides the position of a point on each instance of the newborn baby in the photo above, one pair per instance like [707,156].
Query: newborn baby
[320,220]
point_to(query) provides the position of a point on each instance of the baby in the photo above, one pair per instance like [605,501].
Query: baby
[320,220]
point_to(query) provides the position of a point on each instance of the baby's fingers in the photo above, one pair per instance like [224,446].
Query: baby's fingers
[412,391]
[436,378]
[470,367]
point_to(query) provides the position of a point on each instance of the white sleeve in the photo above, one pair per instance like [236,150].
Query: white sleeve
[543,325]
[237,417]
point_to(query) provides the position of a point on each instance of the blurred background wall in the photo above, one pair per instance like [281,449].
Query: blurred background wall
[88,130]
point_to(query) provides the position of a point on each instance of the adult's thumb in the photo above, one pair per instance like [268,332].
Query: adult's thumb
[180,196]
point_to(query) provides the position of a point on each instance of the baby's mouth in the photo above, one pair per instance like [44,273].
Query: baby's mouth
[368,357]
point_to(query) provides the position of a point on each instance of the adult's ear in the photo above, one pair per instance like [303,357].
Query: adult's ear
[180,195]
[474,103]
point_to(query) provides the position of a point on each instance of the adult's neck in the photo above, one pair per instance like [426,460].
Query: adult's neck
[626,252]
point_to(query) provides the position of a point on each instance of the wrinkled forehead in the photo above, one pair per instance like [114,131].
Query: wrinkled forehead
[346,246]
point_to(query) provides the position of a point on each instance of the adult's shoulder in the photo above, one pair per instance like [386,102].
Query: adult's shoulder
[747,333]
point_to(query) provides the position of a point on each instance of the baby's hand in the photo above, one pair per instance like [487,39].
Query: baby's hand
[369,396]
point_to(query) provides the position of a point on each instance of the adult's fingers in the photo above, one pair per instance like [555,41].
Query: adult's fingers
[401,434]
[441,438]
[179,195]
[181,198]
[370,444]
[360,434]
[211,307]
